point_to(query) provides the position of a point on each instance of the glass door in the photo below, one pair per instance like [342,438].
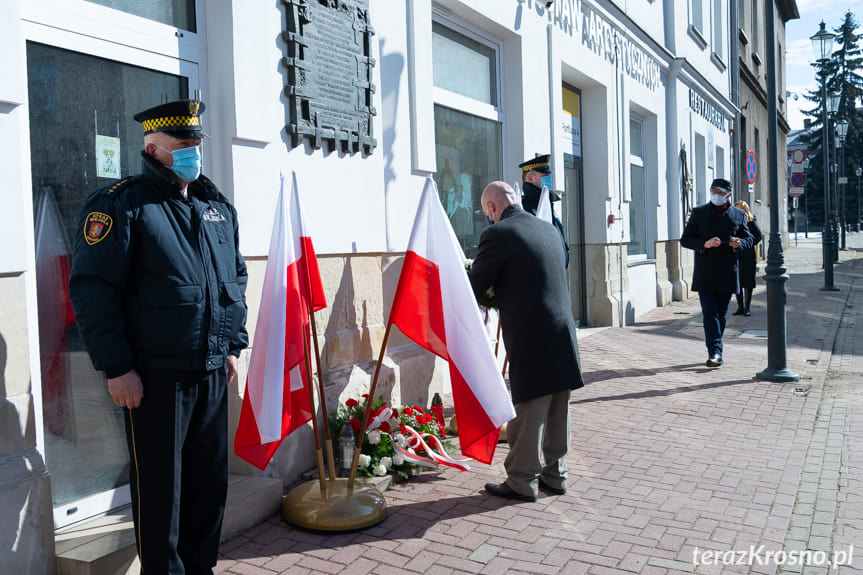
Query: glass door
[573,221]
[87,77]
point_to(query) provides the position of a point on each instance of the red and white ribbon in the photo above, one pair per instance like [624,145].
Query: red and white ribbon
[417,441]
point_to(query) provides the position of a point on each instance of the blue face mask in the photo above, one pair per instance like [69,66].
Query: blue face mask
[489,220]
[545,181]
[187,162]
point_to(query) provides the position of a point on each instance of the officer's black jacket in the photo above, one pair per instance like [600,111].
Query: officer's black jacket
[157,280]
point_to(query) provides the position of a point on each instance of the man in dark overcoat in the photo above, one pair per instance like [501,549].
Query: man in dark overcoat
[715,231]
[522,259]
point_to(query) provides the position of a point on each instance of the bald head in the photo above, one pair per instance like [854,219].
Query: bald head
[496,197]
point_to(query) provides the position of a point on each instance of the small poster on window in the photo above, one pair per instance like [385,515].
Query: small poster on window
[107,157]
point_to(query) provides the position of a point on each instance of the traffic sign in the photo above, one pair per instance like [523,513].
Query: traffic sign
[796,168]
[797,180]
[797,156]
[796,192]
[751,167]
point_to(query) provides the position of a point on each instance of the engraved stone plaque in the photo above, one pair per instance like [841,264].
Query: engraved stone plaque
[329,73]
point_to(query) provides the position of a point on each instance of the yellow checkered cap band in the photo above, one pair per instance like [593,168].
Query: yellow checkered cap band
[170,122]
[534,165]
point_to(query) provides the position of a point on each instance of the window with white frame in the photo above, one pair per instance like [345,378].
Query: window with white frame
[718,26]
[638,190]
[698,16]
[468,125]
[178,13]
[753,27]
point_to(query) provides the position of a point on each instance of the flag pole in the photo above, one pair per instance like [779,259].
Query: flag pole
[327,437]
[368,411]
[311,388]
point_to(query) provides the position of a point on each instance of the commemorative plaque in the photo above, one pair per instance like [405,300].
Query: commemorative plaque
[329,73]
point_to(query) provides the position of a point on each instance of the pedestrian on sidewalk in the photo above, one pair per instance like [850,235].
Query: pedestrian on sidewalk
[520,256]
[748,263]
[715,231]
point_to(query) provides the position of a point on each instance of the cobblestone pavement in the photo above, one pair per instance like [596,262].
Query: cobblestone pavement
[674,467]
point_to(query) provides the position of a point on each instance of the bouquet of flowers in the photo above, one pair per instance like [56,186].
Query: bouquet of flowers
[487,299]
[393,438]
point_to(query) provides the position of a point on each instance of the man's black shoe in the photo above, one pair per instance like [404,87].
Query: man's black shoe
[739,311]
[554,490]
[746,312]
[505,491]
[715,360]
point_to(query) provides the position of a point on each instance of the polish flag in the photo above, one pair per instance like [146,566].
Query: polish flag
[276,401]
[434,306]
[543,208]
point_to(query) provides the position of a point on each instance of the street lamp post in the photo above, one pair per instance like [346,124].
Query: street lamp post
[775,275]
[822,43]
[841,132]
[859,173]
[832,106]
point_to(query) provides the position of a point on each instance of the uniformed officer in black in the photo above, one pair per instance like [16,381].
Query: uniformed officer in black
[536,173]
[158,287]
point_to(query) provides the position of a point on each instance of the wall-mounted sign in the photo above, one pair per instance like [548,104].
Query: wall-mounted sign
[705,109]
[107,157]
[329,63]
[570,127]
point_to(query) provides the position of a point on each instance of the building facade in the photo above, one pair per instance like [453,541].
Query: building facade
[631,99]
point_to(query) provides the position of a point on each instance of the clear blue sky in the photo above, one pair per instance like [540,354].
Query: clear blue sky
[800,75]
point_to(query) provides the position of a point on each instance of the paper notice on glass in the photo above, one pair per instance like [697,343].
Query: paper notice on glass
[107,157]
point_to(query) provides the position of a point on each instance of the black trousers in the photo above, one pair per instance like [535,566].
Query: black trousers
[177,442]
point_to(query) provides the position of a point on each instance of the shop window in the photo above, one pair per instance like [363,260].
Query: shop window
[638,191]
[178,13]
[82,137]
[468,128]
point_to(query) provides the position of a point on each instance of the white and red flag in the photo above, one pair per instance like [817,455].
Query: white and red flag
[434,306]
[543,208]
[276,401]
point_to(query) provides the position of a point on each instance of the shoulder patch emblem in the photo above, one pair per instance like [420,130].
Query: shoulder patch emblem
[96,226]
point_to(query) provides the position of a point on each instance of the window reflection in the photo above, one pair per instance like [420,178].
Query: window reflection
[178,13]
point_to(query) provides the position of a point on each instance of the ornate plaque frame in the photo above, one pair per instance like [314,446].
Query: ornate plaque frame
[329,73]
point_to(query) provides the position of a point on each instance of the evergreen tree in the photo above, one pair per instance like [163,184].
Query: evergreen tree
[848,83]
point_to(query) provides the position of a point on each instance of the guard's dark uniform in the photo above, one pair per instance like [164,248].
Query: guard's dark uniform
[158,286]
[531,194]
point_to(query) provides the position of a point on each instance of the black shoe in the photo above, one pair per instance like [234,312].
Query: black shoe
[505,491]
[715,360]
[746,312]
[554,490]
[739,311]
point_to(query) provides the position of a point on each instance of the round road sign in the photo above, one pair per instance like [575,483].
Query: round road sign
[751,167]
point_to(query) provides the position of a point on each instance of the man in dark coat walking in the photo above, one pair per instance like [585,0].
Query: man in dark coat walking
[522,259]
[716,231]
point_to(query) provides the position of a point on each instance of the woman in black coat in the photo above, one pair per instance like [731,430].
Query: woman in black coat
[747,263]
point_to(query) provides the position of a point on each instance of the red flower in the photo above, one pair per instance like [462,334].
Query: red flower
[365,396]
[407,411]
[421,419]
[403,428]
[441,430]
[385,426]
[395,412]
[418,408]
[352,402]
[355,424]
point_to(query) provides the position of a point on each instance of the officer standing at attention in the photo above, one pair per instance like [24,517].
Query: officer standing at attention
[535,174]
[158,288]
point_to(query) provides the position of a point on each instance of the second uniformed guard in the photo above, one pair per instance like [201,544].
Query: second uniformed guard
[536,173]
[158,286]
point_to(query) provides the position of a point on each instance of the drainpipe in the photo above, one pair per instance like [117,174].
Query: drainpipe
[734,50]
[618,82]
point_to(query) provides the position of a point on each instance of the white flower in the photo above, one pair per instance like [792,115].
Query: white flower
[398,459]
[401,441]
[374,437]
[364,460]
[387,462]
[380,470]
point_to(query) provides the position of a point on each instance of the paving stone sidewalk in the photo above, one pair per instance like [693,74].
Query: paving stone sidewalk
[672,465]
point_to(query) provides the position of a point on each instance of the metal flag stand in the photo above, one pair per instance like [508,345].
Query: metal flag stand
[332,503]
